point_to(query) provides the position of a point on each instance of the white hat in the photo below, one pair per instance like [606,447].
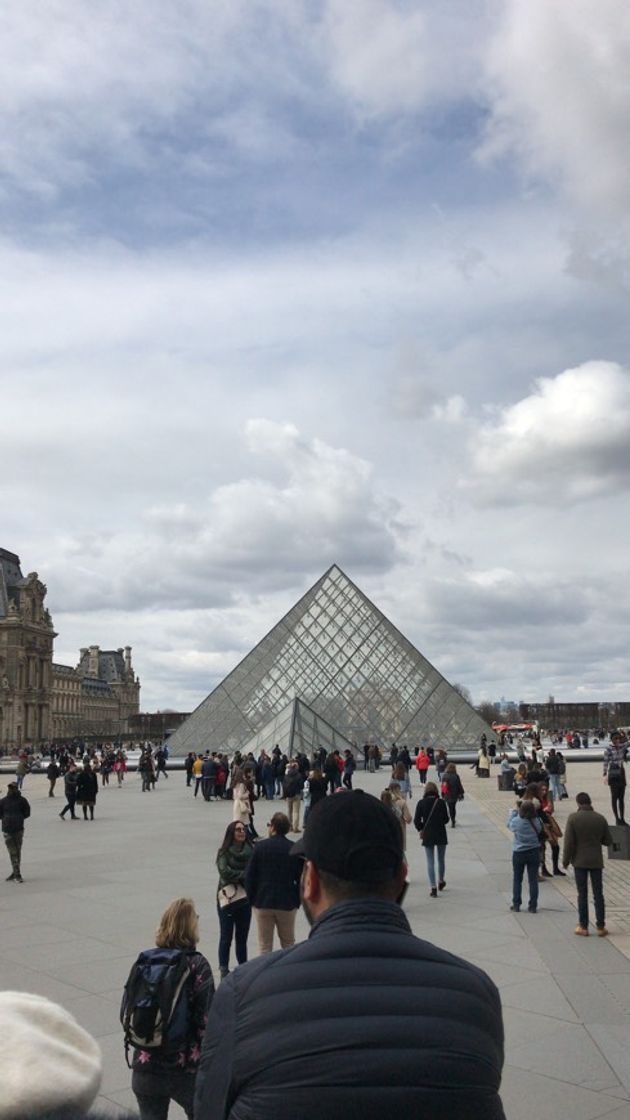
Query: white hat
[47,1061]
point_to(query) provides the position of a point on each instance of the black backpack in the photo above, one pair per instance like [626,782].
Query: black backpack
[155,1010]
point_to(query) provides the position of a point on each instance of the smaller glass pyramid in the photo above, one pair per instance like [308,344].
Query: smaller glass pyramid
[298,729]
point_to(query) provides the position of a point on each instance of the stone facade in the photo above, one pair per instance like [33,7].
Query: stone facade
[66,702]
[26,650]
[41,700]
[97,697]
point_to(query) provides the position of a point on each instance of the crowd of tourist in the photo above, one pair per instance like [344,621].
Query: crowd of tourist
[224,1054]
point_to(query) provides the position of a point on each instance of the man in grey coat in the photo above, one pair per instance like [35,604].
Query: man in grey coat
[585,833]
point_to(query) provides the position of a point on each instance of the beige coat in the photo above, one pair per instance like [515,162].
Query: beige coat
[241,805]
[483,760]
[401,810]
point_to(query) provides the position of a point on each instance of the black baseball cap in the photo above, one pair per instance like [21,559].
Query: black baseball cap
[354,836]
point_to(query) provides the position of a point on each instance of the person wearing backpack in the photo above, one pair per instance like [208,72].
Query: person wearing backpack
[164,1012]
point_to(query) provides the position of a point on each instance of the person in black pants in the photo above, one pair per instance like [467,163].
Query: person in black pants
[70,779]
[452,790]
[235,912]
[87,789]
[188,767]
[615,775]
[159,1078]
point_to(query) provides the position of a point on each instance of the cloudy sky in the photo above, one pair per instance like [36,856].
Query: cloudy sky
[289,282]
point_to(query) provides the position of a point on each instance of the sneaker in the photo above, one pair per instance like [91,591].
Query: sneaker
[532,909]
[545,874]
[433,893]
[516,909]
[559,872]
[224,972]
[19,879]
[441,885]
[581,932]
[602,932]
[11,877]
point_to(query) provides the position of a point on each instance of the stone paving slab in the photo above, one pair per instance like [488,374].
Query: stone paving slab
[95,891]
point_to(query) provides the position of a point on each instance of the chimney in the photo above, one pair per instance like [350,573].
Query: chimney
[128,658]
[93,661]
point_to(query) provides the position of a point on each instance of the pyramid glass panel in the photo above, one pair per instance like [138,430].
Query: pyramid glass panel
[297,729]
[339,655]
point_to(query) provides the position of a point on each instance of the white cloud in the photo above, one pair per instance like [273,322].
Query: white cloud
[260,532]
[569,440]
[560,97]
[450,411]
[389,57]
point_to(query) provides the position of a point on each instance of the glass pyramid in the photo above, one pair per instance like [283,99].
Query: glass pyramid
[342,657]
[298,729]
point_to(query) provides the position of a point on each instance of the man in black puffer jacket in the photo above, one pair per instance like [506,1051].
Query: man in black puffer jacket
[363,1020]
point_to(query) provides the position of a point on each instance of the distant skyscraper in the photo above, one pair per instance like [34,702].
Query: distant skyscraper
[338,654]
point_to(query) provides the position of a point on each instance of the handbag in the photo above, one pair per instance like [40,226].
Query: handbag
[553,828]
[231,894]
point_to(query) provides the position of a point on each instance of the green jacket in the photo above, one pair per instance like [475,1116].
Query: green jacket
[232,864]
[584,835]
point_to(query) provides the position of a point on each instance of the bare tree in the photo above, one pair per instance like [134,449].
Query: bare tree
[463,692]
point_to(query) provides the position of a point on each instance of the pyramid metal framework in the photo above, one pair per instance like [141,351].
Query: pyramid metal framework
[298,729]
[342,657]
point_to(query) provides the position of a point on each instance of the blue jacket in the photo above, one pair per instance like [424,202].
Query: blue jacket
[361,1021]
[525,834]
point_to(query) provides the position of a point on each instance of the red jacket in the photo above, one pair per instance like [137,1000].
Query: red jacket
[423,761]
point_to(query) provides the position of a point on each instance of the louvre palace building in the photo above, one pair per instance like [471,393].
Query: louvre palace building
[41,700]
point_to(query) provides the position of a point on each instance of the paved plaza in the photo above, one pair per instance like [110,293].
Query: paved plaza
[94,892]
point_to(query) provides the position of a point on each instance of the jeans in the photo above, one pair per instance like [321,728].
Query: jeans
[429,852]
[234,922]
[617,799]
[581,882]
[269,788]
[423,776]
[452,809]
[555,782]
[529,859]
[154,1091]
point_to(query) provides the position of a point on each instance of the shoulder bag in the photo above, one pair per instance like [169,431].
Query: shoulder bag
[231,894]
